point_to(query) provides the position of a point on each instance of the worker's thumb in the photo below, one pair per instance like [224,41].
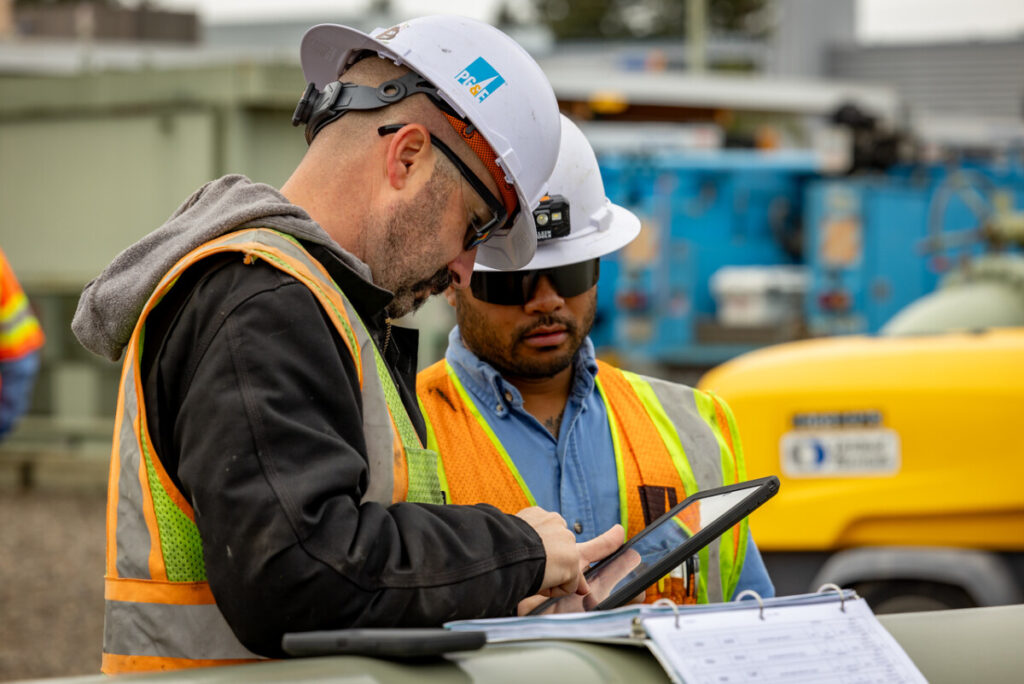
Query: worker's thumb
[601,545]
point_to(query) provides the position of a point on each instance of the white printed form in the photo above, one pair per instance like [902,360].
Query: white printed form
[795,643]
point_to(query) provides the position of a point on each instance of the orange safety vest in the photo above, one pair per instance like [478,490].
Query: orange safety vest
[20,332]
[160,612]
[669,442]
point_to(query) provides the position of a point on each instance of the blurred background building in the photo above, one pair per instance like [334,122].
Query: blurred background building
[794,179]
[111,113]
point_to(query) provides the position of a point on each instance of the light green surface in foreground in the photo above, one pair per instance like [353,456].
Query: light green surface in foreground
[967,645]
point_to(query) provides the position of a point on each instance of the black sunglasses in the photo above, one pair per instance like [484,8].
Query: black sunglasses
[475,232]
[515,288]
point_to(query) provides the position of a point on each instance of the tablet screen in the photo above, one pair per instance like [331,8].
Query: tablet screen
[667,542]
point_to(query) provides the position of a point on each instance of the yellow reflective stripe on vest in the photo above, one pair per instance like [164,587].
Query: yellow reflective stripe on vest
[432,446]
[733,543]
[421,464]
[17,323]
[620,471]
[470,406]
[741,475]
[20,332]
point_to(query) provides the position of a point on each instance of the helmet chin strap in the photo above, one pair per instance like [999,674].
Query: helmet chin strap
[317,108]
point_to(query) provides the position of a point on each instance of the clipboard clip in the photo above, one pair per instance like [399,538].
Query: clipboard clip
[751,592]
[831,586]
[666,602]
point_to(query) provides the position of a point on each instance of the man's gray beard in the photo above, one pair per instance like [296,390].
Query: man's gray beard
[429,203]
[409,299]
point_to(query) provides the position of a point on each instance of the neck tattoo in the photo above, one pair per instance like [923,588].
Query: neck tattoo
[553,423]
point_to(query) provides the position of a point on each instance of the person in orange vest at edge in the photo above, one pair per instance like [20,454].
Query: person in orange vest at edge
[268,473]
[21,338]
[522,413]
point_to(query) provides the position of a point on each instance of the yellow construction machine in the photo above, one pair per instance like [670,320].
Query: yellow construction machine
[901,455]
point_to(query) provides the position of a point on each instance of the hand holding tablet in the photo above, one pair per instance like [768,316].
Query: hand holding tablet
[684,530]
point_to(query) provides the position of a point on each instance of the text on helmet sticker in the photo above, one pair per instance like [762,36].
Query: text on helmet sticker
[480,78]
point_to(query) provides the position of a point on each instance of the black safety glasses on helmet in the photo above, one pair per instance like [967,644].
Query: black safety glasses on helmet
[515,288]
[477,232]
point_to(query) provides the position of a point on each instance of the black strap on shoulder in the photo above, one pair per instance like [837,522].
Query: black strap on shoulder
[317,108]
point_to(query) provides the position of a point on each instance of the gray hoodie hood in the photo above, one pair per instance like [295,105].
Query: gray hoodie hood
[111,303]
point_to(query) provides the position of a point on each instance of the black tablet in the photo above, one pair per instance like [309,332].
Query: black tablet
[667,542]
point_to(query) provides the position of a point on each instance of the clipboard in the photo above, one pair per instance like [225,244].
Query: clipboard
[826,635]
[780,641]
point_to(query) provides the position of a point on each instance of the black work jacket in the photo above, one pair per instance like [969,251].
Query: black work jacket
[254,405]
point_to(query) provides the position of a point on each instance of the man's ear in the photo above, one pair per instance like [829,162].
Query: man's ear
[408,153]
[451,295]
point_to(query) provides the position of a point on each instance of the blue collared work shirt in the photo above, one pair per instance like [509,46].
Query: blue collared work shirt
[574,475]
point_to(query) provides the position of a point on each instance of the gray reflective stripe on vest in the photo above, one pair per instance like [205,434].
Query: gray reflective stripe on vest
[697,437]
[133,542]
[380,434]
[200,632]
[702,451]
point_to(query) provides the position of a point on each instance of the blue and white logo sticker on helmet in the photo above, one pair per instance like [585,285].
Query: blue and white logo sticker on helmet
[480,78]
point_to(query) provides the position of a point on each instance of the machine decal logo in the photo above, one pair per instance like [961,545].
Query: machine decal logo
[839,444]
[840,453]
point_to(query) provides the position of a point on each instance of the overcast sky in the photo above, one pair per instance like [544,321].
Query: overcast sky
[877,20]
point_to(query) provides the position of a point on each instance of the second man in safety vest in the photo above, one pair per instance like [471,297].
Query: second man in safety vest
[522,413]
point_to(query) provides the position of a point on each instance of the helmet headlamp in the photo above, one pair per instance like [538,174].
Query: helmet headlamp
[551,217]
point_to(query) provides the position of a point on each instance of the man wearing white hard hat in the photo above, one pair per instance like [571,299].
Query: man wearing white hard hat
[523,413]
[268,473]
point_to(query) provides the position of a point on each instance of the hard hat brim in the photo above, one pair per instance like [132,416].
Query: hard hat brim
[327,49]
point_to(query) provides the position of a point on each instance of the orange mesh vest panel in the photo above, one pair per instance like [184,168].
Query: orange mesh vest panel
[478,469]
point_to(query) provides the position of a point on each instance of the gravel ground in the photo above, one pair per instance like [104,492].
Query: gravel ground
[51,584]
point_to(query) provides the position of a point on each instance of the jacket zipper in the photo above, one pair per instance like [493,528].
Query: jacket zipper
[387,335]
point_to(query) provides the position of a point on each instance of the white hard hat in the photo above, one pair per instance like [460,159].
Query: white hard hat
[596,225]
[482,74]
